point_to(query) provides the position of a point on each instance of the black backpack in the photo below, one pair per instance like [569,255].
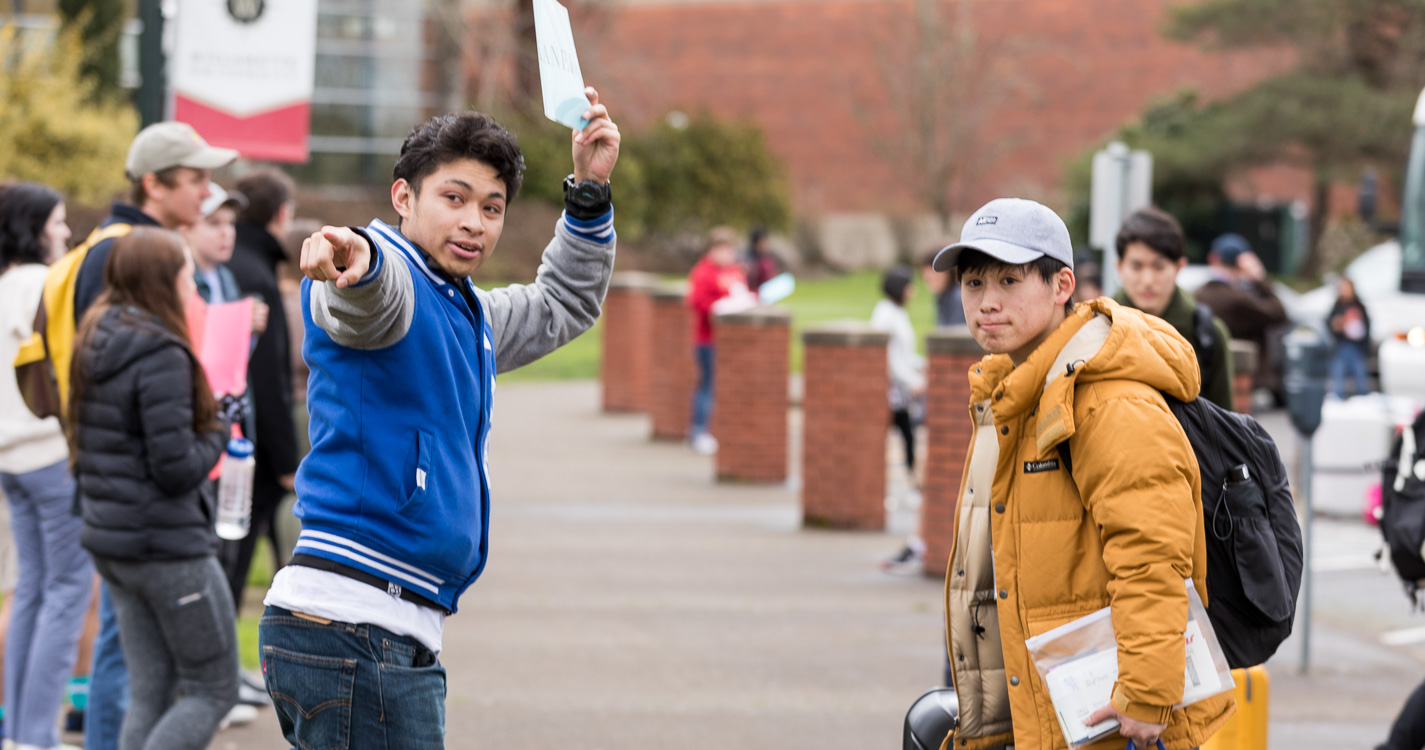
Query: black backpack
[1402,494]
[1253,538]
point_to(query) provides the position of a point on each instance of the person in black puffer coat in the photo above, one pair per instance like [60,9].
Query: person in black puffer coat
[144,432]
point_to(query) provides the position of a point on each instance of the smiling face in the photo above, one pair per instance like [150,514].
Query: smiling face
[456,216]
[1149,278]
[1011,309]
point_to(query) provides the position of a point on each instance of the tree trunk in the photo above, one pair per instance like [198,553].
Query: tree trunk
[1316,226]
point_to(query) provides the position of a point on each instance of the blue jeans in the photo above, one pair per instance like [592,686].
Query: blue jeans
[108,682]
[51,599]
[706,355]
[1350,358]
[345,686]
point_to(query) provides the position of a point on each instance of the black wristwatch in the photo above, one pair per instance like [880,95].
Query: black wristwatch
[586,199]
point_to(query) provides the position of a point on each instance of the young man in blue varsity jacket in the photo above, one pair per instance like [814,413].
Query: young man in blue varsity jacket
[403,351]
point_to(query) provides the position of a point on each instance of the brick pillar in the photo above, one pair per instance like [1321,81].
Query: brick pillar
[627,361]
[750,390]
[844,418]
[1244,373]
[675,374]
[952,352]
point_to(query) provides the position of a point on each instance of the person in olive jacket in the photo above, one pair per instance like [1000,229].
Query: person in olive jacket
[144,432]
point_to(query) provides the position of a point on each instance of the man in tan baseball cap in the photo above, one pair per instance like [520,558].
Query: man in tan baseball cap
[169,168]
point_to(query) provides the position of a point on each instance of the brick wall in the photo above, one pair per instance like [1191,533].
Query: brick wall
[844,427]
[627,365]
[815,76]
[1244,372]
[750,386]
[674,374]
[952,352]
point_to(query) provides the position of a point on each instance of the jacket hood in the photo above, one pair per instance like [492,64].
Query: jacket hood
[123,336]
[1100,340]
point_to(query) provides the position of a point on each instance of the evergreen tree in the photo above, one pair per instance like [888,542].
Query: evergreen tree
[100,24]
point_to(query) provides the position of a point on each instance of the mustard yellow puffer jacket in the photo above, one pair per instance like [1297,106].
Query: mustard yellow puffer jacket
[1036,548]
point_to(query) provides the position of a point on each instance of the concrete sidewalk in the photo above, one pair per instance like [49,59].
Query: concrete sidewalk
[631,602]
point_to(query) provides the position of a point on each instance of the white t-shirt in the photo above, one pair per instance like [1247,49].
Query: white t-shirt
[322,593]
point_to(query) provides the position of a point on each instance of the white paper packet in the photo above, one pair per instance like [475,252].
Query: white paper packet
[1078,662]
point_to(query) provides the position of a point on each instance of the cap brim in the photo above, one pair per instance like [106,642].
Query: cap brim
[210,157]
[1002,251]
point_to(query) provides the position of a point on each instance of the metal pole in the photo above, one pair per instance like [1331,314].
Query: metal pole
[150,98]
[1307,474]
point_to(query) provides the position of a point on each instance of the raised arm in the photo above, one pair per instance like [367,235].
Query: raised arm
[531,320]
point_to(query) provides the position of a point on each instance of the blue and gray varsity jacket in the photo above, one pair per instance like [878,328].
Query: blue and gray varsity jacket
[402,378]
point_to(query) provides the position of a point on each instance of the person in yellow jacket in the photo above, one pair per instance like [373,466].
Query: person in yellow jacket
[1035,547]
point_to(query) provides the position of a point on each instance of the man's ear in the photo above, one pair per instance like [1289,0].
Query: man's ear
[1064,283]
[1182,263]
[403,198]
[153,187]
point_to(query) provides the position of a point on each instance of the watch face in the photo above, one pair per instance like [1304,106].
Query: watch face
[588,194]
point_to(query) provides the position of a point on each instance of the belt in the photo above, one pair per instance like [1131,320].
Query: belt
[356,574]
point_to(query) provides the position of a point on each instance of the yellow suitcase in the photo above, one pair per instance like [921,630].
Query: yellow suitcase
[1247,729]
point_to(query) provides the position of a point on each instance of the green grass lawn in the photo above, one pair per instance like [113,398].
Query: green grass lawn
[818,300]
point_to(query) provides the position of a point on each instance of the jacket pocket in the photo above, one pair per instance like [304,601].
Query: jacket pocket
[1258,561]
[417,473]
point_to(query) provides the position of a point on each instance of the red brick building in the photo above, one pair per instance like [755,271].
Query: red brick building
[817,75]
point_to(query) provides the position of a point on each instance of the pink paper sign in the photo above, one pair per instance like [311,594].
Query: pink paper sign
[225,345]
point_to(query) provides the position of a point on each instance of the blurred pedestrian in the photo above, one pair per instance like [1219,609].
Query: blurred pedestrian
[760,262]
[145,431]
[1089,274]
[261,229]
[942,284]
[55,573]
[905,396]
[1150,255]
[1351,330]
[1241,295]
[404,349]
[717,284]
[169,167]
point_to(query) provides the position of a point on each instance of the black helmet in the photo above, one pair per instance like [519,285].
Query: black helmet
[931,719]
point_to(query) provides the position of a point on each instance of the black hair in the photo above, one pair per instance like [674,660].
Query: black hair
[460,135]
[24,210]
[1155,228]
[974,261]
[894,283]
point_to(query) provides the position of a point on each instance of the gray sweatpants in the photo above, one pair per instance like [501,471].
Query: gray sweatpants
[180,642]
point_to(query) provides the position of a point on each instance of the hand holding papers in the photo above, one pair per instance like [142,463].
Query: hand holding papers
[559,75]
[1079,665]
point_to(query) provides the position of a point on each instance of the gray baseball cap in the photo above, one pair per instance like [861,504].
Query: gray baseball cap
[1012,230]
[163,145]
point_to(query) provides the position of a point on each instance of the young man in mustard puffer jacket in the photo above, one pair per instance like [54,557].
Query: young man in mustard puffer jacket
[1035,547]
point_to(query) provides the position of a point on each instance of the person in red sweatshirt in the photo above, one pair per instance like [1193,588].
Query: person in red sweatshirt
[716,285]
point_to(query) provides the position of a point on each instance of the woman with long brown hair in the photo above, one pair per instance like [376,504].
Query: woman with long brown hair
[144,432]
